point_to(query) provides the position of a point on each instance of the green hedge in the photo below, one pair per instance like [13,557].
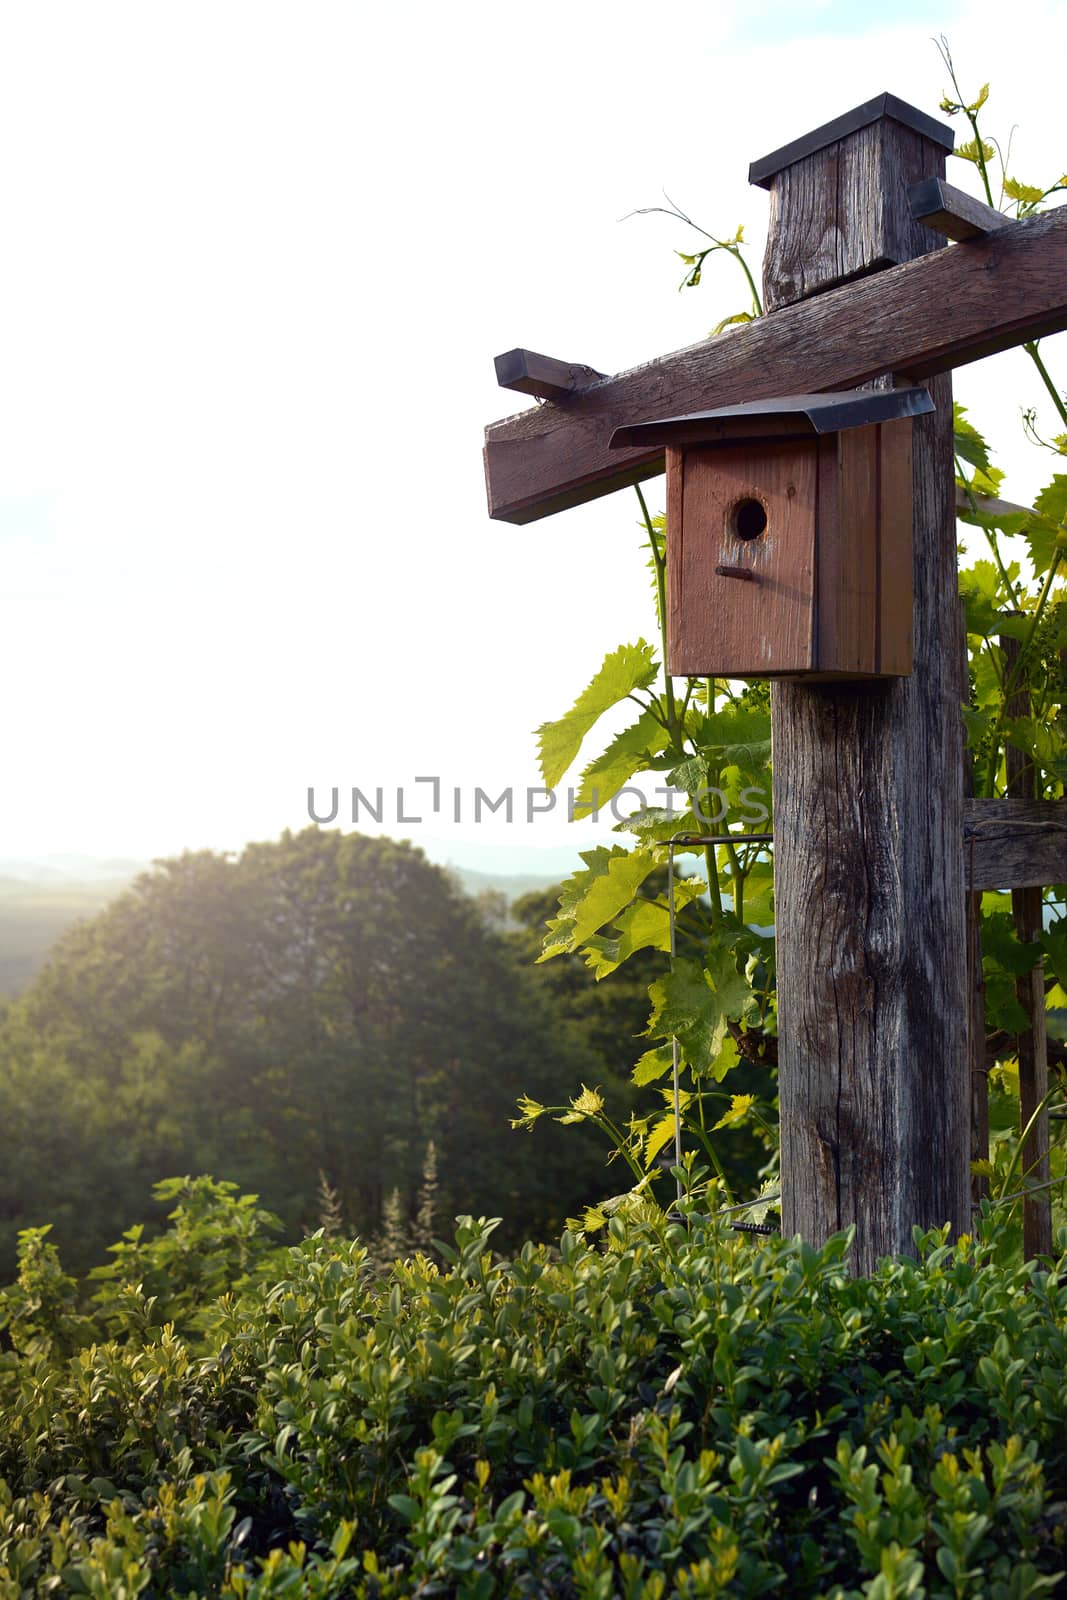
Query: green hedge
[679,1410]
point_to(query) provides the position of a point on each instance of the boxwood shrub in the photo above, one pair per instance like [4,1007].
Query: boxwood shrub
[676,1409]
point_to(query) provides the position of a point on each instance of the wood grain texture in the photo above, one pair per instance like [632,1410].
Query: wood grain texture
[848,559]
[951,212]
[922,317]
[976,1047]
[542,376]
[873,1068]
[1032,1045]
[895,552]
[978,1061]
[836,215]
[716,625]
[871,939]
[1014,844]
[1032,1042]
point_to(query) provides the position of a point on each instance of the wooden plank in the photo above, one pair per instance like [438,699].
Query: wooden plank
[1014,844]
[922,317]
[895,554]
[976,1050]
[978,1062]
[868,791]
[988,505]
[1032,1042]
[1032,1047]
[848,602]
[717,626]
[953,213]
[542,376]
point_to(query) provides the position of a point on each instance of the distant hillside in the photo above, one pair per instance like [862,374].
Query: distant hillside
[40,900]
[513,885]
[33,914]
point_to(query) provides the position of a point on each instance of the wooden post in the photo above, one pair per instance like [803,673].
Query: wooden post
[868,804]
[978,1071]
[1032,1043]
[979,1061]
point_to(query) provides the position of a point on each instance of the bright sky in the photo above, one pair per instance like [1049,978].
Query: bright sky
[258,259]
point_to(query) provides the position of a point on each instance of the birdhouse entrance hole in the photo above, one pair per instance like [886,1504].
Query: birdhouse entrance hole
[748,519]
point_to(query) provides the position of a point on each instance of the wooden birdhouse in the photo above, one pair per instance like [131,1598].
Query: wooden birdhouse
[789,535]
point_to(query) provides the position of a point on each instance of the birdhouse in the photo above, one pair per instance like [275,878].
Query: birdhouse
[789,535]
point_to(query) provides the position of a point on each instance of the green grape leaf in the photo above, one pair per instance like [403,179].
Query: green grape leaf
[590,900]
[1026,193]
[655,825]
[1002,1008]
[738,316]
[626,754]
[690,776]
[969,151]
[741,733]
[731,987]
[969,444]
[644,925]
[977,725]
[693,1003]
[572,891]
[1045,533]
[1002,951]
[740,1106]
[632,666]
[660,1134]
[1054,943]
[685,1006]
[726,1060]
[1052,501]
[653,1065]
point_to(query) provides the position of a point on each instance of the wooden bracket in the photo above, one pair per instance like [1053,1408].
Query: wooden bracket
[937,205]
[542,376]
[986,505]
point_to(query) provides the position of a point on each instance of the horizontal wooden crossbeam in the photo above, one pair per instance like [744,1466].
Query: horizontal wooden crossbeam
[1014,844]
[950,211]
[925,316]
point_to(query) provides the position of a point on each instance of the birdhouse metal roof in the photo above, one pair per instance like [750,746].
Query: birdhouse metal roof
[791,416]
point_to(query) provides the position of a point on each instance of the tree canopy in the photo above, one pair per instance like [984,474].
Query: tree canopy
[324,1004]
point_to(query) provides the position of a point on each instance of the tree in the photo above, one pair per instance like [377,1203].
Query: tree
[324,1004]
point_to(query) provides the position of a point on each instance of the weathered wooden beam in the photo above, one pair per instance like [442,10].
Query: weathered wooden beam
[950,211]
[1032,1049]
[1031,1043]
[868,794]
[977,1055]
[987,505]
[922,317]
[542,376]
[1014,843]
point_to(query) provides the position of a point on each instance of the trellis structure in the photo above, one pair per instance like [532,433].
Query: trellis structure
[878,851]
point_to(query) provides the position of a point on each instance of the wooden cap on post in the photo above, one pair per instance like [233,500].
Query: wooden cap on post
[856,224]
